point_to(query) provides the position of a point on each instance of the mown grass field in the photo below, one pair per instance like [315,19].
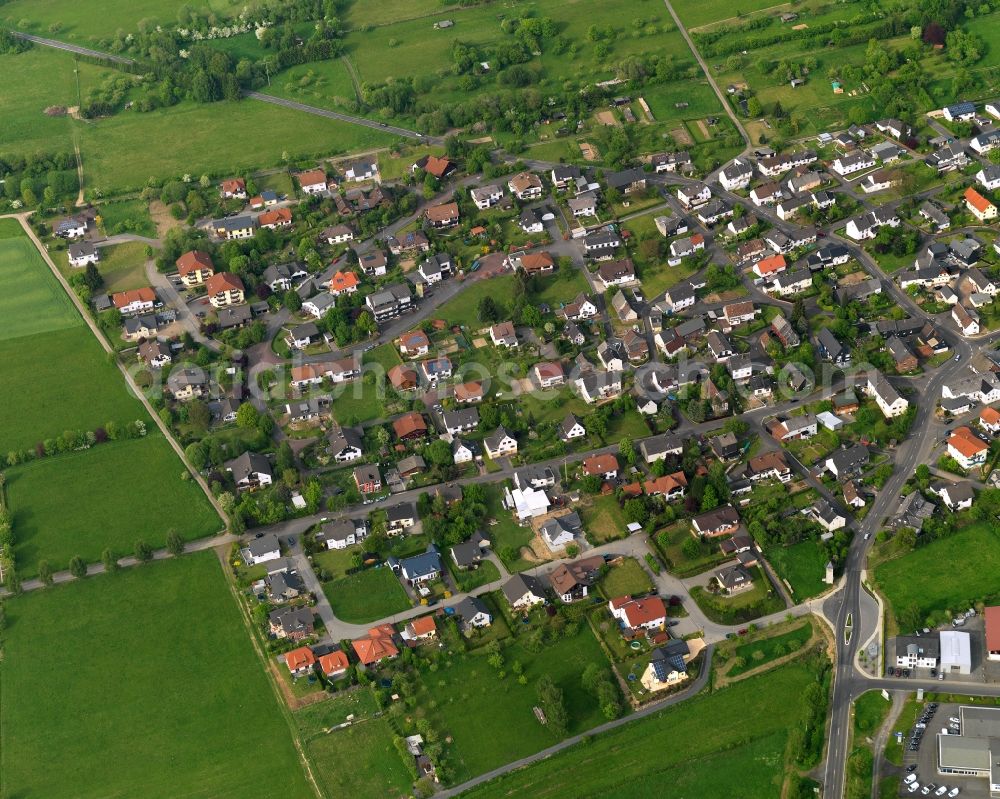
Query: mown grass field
[123,266]
[162,694]
[108,496]
[31,300]
[366,596]
[184,139]
[694,13]
[750,722]
[54,373]
[803,565]
[947,574]
[34,80]
[127,216]
[770,648]
[195,139]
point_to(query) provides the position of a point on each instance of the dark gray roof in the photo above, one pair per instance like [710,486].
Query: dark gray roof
[248,463]
[520,584]
[263,545]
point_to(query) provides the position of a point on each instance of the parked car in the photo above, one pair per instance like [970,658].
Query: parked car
[910,769]
[953,793]
[914,787]
[941,791]
[911,777]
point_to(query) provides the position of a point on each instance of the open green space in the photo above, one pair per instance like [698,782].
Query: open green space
[628,577]
[948,574]
[35,80]
[166,698]
[672,543]
[751,722]
[695,13]
[870,710]
[604,519]
[109,496]
[127,216]
[764,648]
[760,600]
[31,300]
[361,401]
[366,596]
[491,720]
[803,565]
[326,84]
[73,22]
[463,309]
[507,536]
[359,761]
[123,266]
[194,139]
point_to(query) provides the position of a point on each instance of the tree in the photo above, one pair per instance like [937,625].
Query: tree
[45,572]
[78,567]
[285,458]
[199,415]
[626,448]
[143,551]
[636,511]
[247,416]
[109,561]
[753,107]
[550,698]
[292,301]
[488,310]
[175,544]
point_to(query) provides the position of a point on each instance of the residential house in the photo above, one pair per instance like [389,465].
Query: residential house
[410,426]
[187,384]
[500,444]
[194,267]
[470,392]
[966,318]
[733,580]
[444,215]
[723,520]
[855,161]
[967,448]
[525,186]
[847,461]
[831,349]
[601,244]
[486,196]
[646,613]
[291,623]
[669,486]
[364,169]
[135,301]
[474,613]
[885,395]
[957,496]
[233,188]
[390,301]
[312,181]
[437,267]
[979,206]
[659,447]
[435,369]
[736,175]
[235,227]
[522,591]
[377,646]
[738,313]
[373,263]
[262,550]
[250,471]
[224,288]
[694,195]
[549,374]
[82,253]
[503,335]
[616,273]
[584,205]
[580,309]
[367,478]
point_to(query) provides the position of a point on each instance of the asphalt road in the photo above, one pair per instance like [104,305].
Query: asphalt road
[323,112]
[73,48]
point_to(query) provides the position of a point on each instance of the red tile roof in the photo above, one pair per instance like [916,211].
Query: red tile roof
[342,281]
[312,177]
[193,261]
[966,442]
[992,617]
[600,464]
[279,216]
[123,298]
[334,662]
[223,281]
[300,658]
[976,200]
[423,626]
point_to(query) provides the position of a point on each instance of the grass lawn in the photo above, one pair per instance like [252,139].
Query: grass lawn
[31,299]
[947,574]
[751,721]
[471,580]
[507,535]
[326,84]
[558,289]
[670,542]
[627,578]
[747,606]
[196,139]
[44,347]
[464,308]
[34,80]
[764,650]
[123,266]
[803,565]
[167,697]
[385,354]
[366,596]
[376,769]
[491,720]
[108,496]
[127,216]
[336,561]
[604,519]
[870,710]
[360,401]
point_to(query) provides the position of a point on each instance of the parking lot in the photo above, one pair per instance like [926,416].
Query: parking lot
[925,760]
[983,670]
